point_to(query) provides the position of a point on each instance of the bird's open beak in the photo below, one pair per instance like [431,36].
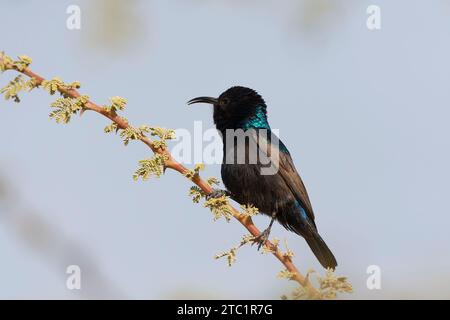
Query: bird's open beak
[209,100]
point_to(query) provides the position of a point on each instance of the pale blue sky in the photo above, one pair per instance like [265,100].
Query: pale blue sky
[365,115]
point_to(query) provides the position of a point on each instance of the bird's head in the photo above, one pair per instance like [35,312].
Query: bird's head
[237,107]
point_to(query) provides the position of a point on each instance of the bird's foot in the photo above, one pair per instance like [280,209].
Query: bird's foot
[262,238]
[217,193]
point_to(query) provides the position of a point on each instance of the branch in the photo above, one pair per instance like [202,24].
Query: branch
[70,91]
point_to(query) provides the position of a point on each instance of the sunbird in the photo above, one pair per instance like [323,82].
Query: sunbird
[280,195]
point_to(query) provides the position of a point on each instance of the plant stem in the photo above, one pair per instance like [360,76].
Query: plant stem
[173,164]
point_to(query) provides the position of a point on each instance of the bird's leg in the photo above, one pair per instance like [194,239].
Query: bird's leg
[264,236]
[217,193]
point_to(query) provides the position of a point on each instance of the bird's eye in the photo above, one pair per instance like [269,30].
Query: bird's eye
[224,101]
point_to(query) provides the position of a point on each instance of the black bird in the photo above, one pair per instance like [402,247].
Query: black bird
[281,195]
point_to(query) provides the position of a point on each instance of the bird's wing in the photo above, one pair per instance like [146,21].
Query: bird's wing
[292,178]
[286,168]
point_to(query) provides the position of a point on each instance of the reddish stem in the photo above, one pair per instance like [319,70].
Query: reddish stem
[202,184]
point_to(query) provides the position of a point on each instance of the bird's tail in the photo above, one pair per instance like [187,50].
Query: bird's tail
[321,250]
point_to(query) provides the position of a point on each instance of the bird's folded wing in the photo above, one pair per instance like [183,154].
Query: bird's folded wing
[286,167]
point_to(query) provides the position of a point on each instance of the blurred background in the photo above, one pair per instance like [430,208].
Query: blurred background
[364,113]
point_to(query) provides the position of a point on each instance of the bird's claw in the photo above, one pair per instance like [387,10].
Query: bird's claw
[262,238]
[217,193]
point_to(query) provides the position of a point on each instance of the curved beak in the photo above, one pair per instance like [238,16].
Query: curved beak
[209,100]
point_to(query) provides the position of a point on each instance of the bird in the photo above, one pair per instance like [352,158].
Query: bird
[281,194]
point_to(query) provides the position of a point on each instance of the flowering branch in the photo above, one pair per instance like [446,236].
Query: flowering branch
[72,102]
